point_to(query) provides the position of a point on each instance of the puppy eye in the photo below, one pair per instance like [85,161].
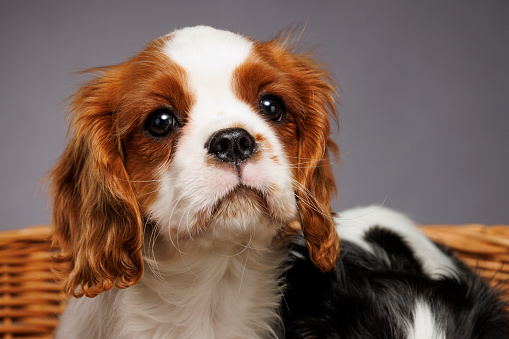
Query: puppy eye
[272,107]
[161,122]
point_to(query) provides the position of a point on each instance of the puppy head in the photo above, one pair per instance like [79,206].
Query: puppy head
[205,134]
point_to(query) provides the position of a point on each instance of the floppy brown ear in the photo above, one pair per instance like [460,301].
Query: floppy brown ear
[314,174]
[96,218]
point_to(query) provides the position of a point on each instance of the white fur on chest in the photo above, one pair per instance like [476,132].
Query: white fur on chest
[232,294]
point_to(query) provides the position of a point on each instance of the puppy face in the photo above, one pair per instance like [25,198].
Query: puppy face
[205,134]
[203,191]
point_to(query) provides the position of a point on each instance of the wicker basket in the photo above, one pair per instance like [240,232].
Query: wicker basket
[30,301]
[483,248]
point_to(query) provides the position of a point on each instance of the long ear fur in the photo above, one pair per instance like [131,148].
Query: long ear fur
[314,174]
[96,218]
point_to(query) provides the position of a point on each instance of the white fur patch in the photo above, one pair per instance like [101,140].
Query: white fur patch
[207,53]
[88,318]
[424,325]
[353,224]
[204,294]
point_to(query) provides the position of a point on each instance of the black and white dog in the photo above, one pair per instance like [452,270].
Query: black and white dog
[391,282]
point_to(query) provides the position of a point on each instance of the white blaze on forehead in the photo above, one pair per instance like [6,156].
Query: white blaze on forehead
[208,55]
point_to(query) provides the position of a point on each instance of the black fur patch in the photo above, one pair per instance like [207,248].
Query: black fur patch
[374,296]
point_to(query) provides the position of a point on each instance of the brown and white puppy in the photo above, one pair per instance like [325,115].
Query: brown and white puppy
[185,168]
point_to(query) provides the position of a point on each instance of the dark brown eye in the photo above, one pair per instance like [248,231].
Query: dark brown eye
[161,122]
[272,107]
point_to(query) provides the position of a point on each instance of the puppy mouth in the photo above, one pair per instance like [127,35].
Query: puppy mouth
[241,199]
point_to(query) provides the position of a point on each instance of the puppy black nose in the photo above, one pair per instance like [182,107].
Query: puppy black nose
[233,145]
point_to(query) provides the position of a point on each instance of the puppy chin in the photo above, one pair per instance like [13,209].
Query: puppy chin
[242,215]
[248,212]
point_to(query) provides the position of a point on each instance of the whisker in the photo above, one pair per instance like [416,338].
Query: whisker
[151,259]
[301,158]
[311,202]
[188,225]
[323,164]
[244,268]
[376,208]
[145,194]
[153,238]
[176,245]
[143,181]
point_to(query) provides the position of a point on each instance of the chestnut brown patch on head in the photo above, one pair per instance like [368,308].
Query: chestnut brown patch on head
[156,82]
[308,92]
[102,183]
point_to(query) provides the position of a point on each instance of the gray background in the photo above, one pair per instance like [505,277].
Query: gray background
[424,115]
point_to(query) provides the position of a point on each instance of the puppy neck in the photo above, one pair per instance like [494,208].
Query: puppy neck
[230,288]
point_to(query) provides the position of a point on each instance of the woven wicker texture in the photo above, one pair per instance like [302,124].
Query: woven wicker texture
[484,249]
[30,301]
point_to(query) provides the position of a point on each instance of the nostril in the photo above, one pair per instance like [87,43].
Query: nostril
[223,145]
[245,143]
[232,145]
